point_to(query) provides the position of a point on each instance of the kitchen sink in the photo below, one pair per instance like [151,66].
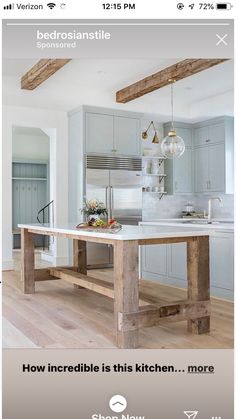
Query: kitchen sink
[199,222]
[205,222]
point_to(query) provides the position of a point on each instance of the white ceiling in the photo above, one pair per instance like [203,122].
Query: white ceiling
[95,82]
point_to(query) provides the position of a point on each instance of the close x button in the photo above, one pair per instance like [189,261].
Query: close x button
[221,39]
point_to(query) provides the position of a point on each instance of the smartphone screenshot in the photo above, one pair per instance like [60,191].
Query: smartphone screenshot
[117,209]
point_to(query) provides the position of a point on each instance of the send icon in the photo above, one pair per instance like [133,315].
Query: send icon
[191,414]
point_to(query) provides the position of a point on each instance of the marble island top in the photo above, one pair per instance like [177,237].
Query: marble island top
[128,232]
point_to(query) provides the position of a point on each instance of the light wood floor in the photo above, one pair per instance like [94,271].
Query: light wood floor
[58,316]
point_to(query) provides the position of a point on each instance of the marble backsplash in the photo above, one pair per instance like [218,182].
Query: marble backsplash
[171,206]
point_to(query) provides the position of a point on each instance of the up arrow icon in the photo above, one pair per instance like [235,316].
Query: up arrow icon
[191,414]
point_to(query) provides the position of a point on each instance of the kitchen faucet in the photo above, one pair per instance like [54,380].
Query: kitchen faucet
[209,217]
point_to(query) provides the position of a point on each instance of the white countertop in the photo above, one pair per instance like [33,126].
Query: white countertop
[217,225]
[127,233]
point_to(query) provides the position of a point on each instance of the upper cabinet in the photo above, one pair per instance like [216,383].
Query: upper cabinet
[179,171]
[112,133]
[99,133]
[127,135]
[213,152]
[206,166]
[213,133]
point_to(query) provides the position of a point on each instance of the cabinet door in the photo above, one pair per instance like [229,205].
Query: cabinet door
[186,134]
[182,174]
[99,133]
[201,136]
[216,163]
[217,133]
[222,260]
[201,169]
[177,261]
[154,259]
[127,136]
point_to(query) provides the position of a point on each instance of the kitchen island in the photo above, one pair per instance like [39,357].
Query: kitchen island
[132,309]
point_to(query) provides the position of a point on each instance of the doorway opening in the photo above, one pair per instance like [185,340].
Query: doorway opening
[30,181]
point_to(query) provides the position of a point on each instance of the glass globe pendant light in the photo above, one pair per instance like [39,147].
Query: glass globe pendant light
[172,145]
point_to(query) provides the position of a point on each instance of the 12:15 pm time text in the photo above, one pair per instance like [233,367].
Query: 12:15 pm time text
[118,6]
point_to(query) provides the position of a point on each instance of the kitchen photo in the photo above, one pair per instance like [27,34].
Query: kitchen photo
[118,203]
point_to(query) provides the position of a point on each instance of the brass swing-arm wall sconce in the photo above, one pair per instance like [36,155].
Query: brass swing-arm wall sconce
[155,139]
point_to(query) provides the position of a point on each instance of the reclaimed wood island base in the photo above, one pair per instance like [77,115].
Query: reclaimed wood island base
[132,309]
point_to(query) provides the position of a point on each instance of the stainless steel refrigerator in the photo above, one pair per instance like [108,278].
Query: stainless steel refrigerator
[116,181]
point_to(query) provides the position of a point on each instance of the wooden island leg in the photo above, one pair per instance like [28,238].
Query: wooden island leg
[126,291]
[198,279]
[80,258]
[27,261]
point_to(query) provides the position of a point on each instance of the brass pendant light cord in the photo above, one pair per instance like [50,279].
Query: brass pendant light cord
[172,105]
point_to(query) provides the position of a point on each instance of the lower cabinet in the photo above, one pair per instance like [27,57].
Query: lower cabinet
[167,264]
[222,264]
[154,261]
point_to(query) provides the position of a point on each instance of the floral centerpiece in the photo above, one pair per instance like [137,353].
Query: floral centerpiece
[94,209]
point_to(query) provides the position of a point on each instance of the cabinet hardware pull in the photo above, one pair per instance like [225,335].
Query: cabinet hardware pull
[207,141]
[113,150]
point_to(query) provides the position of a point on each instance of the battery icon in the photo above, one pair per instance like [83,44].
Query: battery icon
[224,6]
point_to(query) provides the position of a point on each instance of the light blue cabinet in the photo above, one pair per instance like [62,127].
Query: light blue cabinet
[216,167]
[179,171]
[212,133]
[127,136]
[177,256]
[200,136]
[154,261]
[201,169]
[222,257]
[213,156]
[167,264]
[185,132]
[99,133]
[210,168]
[112,134]
[182,167]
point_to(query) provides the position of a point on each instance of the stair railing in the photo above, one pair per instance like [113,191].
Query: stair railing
[46,216]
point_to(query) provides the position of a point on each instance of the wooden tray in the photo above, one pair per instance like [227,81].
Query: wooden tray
[105,229]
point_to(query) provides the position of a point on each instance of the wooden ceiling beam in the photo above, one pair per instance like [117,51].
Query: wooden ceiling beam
[40,72]
[162,78]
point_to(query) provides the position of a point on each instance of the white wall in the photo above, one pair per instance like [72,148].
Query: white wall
[28,146]
[39,118]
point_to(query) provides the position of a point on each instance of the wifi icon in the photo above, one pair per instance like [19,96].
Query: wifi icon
[51,5]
